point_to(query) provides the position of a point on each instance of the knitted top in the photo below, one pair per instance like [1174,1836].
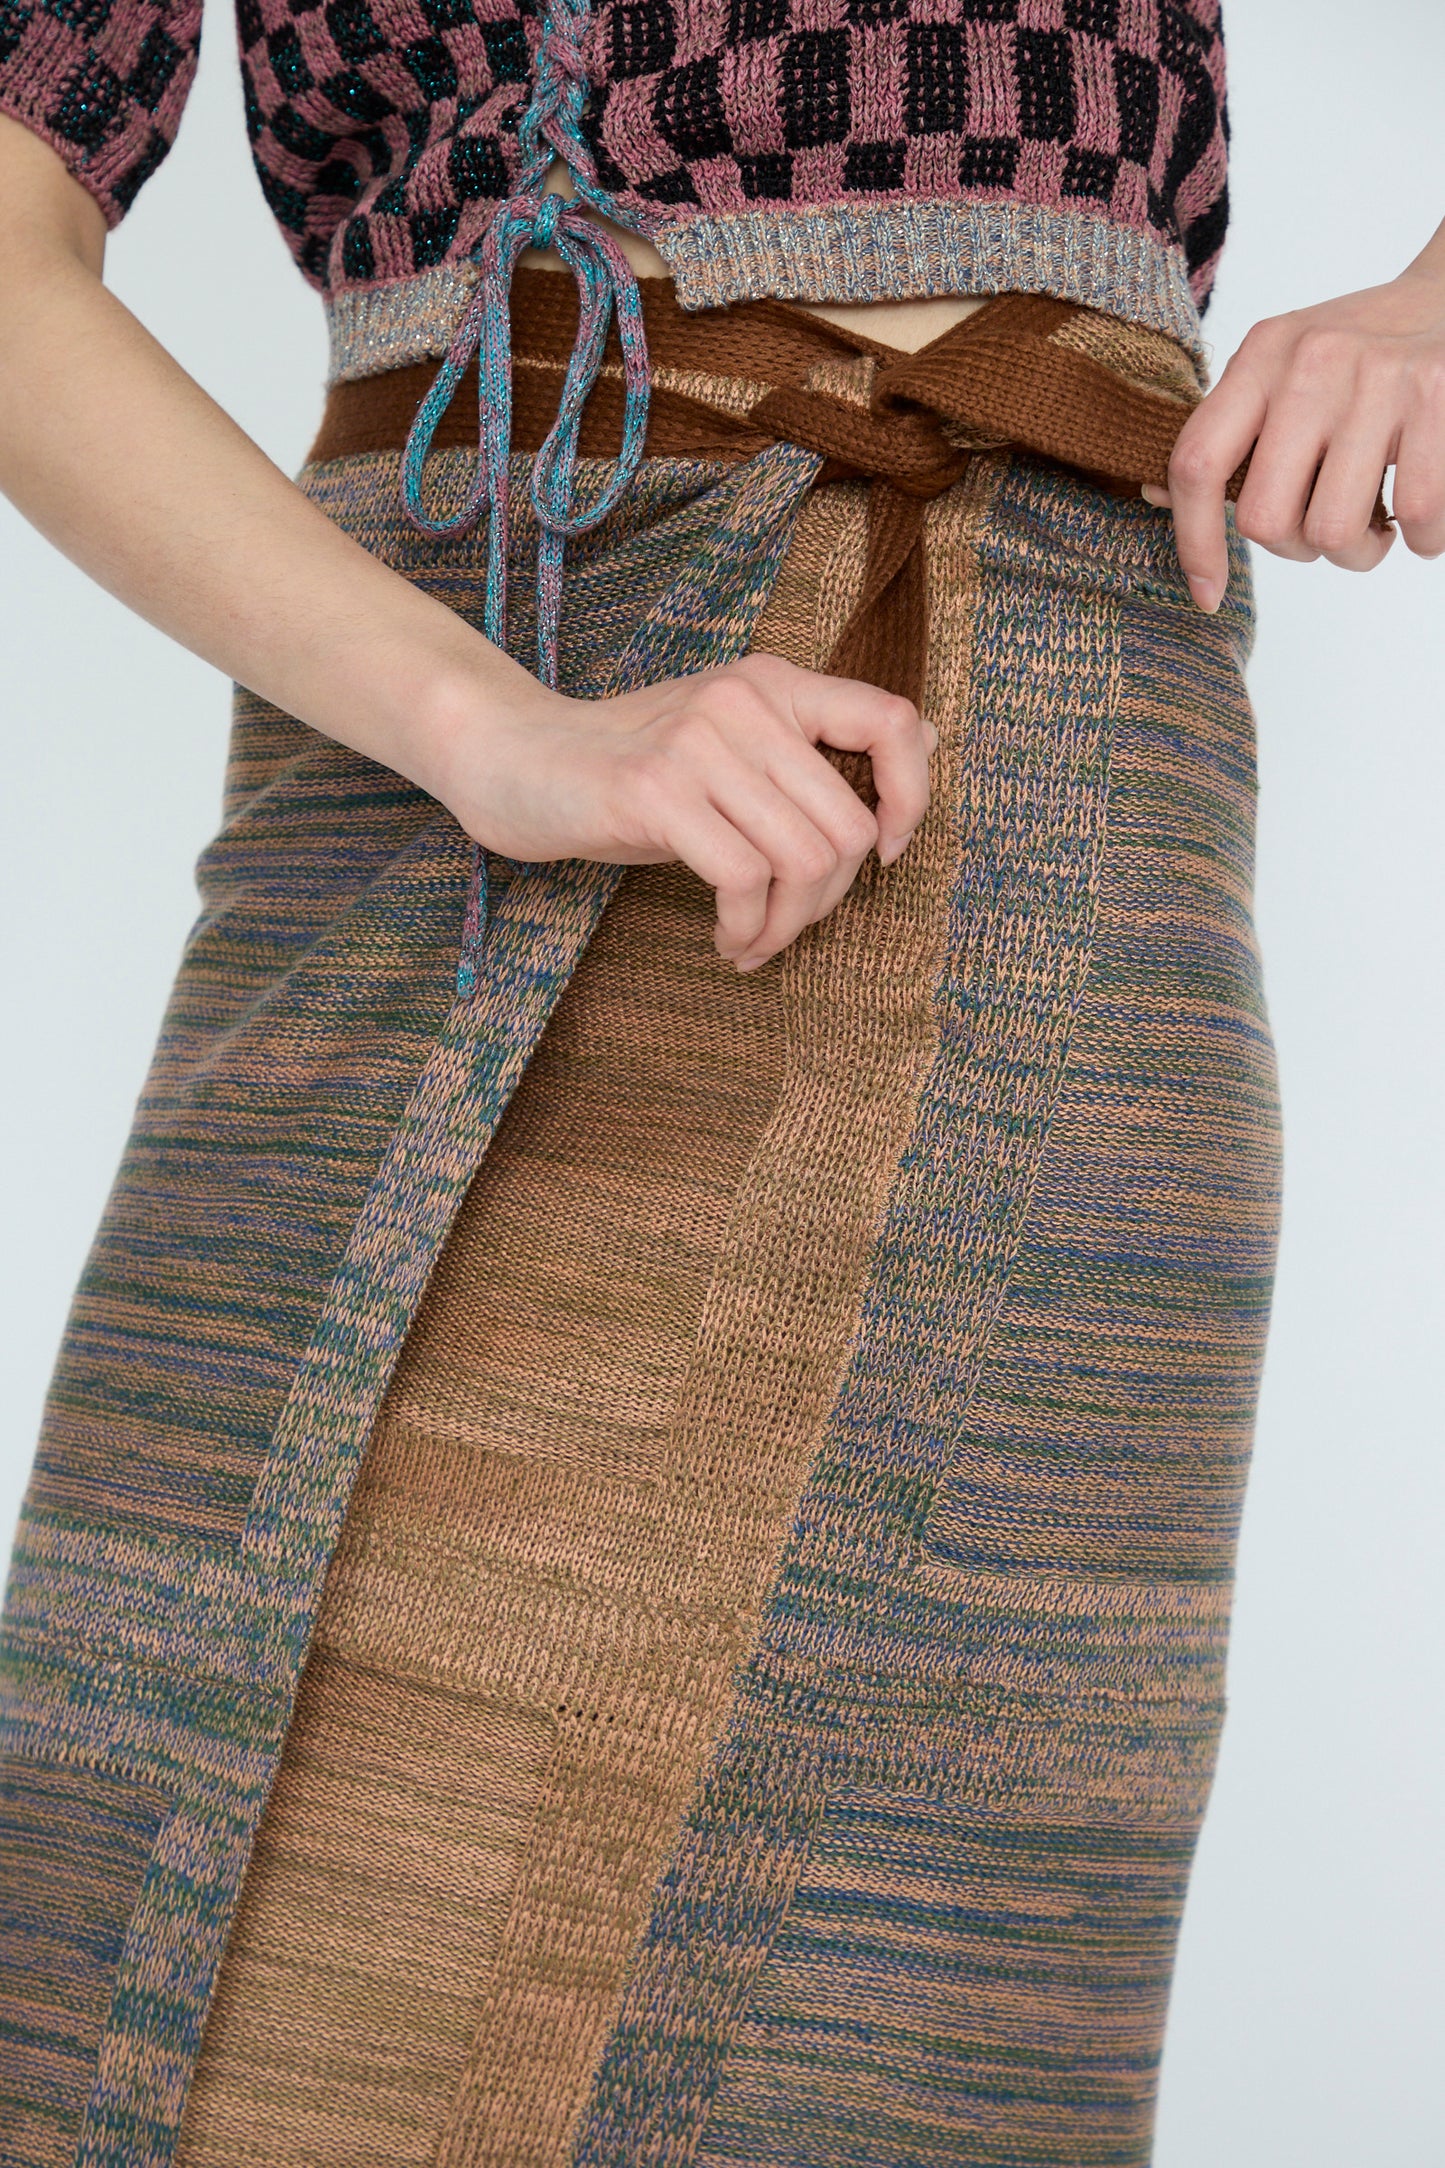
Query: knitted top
[816,149]
[811,149]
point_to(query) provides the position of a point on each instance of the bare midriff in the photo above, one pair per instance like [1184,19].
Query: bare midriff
[907,325]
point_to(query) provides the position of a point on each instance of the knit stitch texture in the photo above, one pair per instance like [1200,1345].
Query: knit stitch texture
[745,137]
[656,1589]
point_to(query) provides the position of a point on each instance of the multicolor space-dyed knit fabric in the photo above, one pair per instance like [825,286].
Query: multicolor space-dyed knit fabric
[842,151]
[655,1549]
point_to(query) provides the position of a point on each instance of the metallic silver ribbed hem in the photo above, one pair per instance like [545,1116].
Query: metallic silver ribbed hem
[373,328]
[831,252]
[905,251]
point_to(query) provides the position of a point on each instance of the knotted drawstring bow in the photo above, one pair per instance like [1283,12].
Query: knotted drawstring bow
[535,217]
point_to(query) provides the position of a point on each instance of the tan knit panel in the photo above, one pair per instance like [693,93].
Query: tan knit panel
[844,376]
[562,1315]
[582,1480]
[1131,351]
[816,588]
[730,394]
[377,1900]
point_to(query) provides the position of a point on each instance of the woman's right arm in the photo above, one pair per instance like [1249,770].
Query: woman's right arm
[111,450]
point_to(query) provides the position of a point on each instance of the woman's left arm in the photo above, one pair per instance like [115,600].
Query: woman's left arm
[1322,401]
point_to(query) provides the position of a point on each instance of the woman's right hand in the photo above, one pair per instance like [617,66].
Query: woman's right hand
[116,454]
[721,770]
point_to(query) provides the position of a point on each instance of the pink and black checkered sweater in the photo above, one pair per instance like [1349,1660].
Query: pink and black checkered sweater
[822,149]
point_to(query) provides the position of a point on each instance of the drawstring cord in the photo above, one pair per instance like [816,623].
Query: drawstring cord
[534,217]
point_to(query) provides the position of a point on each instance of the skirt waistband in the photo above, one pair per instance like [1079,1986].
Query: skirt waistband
[1097,393]
[1025,372]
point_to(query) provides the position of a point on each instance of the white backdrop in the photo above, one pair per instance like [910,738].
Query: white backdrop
[1310,1999]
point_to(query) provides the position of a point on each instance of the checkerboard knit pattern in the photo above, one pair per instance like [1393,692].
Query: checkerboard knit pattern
[385,131]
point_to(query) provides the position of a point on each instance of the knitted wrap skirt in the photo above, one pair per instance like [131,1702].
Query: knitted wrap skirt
[635,1569]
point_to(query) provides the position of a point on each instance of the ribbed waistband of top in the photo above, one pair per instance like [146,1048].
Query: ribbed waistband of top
[1038,375]
[855,252]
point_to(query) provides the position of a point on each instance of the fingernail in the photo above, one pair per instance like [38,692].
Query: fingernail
[932,735]
[896,849]
[751,963]
[1153,494]
[1208,594]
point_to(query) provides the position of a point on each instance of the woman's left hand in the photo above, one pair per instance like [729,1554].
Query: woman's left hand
[1322,401]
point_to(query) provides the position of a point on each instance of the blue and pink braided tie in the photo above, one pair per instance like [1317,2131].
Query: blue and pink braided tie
[534,217]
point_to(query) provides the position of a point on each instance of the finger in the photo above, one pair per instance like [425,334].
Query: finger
[1342,502]
[1283,469]
[809,875]
[737,872]
[858,718]
[1418,497]
[1212,443]
[827,799]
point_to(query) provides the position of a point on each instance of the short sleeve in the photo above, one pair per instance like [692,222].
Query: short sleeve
[103,82]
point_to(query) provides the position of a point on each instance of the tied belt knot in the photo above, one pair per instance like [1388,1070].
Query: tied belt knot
[1025,371]
[901,450]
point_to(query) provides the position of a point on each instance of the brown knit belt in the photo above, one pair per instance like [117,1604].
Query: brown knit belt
[1000,377]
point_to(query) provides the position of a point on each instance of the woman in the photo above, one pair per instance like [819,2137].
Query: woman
[757,1697]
